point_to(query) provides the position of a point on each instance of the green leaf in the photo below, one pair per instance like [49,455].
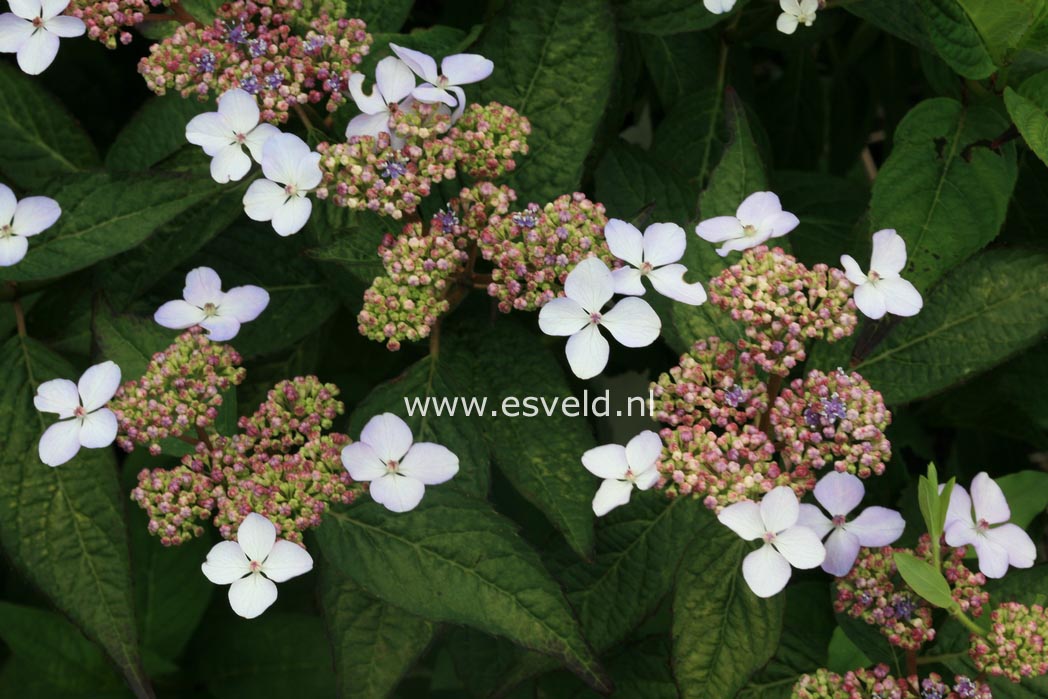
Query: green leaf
[955,38]
[1028,108]
[454,559]
[381,15]
[722,632]
[103,215]
[155,132]
[901,19]
[38,137]
[924,579]
[130,341]
[928,499]
[554,60]
[987,309]
[691,136]
[844,654]
[629,182]
[664,16]
[540,455]
[1027,495]
[941,189]
[828,208]
[679,64]
[64,527]
[1004,25]
[374,642]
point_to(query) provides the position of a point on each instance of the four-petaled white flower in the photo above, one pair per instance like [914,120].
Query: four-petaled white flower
[20,220]
[394,82]
[796,12]
[84,419]
[997,542]
[622,468]
[219,312]
[758,218]
[786,542]
[718,7]
[224,134]
[840,493]
[457,70]
[578,313]
[398,468]
[32,29]
[882,290]
[253,564]
[652,255]
[291,171]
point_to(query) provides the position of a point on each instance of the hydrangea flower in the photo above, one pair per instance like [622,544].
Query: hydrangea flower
[652,255]
[455,71]
[796,12]
[998,543]
[20,220]
[394,82]
[31,31]
[84,419]
[758,218]
[223,135]
[291,171]
[219,312]
[398,468]
[882,290]
[840,493]
[578,314]
[622,468]
[253,564]
[719,7]
[786,542]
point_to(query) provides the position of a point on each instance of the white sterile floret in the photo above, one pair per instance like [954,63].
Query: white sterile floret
[394,82]
[579,315]
[253,564]
[397,467]
[204,303]
[31,31]
[292,170]
[796,12]
[786,542]
[21,220]
[653,255]
[224,134]
[882,290]
[980,520]
[623,468]
[759,218]
[719,7]
[85,421]
[445,87]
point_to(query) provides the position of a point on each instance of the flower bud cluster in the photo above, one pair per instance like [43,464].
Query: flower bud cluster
[877,682]
[783,304]
[489,138]
[875,593]
[108,21]
[533,250]
[251,46]
[407,302]
[180,392]
[282,465]
[479,203]
[832,419]
[1015,646]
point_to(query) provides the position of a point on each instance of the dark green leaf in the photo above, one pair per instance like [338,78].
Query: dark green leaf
[955,38]
[1028,108]
[155,132]
[665,16]
[130,341]
[924,579]
[629,181]
[381,15]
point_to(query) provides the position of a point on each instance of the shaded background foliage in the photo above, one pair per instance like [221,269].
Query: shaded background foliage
[883,114]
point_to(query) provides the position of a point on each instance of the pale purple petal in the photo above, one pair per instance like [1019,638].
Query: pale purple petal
[743,518]
[901,298]
[60,442]
[368,125]
[669,281]
[98,384]
[230,164]
[388,435]
[98,429]
[643,451]
[779,225]
[422,64]
[37,52]
[466,68]
[611,494]
[877,526]
[633,322]
[766,571]
[240,110]
[960,507]
[256,536]
[852,270]
[647,479]
[460,98]
[203,286]
[369,103]
[960,533]
[14,31]
[226,563]
[839,493]
[292,216]
[757,207]
[244,303]
[34,215]
[287,560]
[52,8]
[8,203]
[739,244]
[786,23]
[587,352]
[256,140]
[395,80]
[251,596]
[397,493]
[664,243]
[58,396]
[362,463]
[627,281]
[719,229]
[606,461]
[993,557]
[889,253]
[179,315]
[870,301]
[263,199]
[801,547]
[210,131]
[779,509]
[433,95]
[813,518]
[282,156]
[988,500]
[26,9]
[13,250]
[221,328]
[1012,538]
[625,241]
[66,27]
[429,463]
[590,284]
[842,548]
[562,316]
[308,173]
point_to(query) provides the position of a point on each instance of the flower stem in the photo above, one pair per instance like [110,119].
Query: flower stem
[911,663]
[182,14]
[960,616]
[16,306]
[202,436]
[774,386]
[930,659]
